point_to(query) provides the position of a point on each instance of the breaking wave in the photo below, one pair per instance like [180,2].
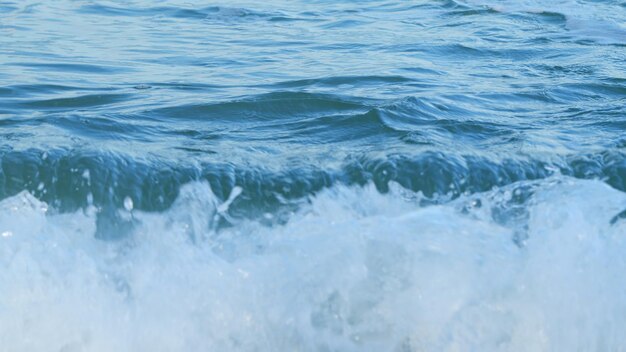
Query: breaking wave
[533,265]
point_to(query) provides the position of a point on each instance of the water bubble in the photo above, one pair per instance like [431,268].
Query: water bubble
[128,204]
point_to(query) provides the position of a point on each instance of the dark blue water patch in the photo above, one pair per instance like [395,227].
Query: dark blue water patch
[265,107]
[459,51]
[594,90]
[211,13]
[321,118]
[415,111]
[345,23]
[363,128]
[90,101]
[341,47]
[270,43]
[334,81]
[195,133]
[424,71]
[8,7]
[106,127]
[618,124]
[65,178]
[75,67]
[17,7]
[5,91]
[553,19]
[437,122]
[68,179]
[184,86]
[104,10]
[550,16]
[619,81]
[514,102]
[480,12]
[400,7]
[19,121]
[619,217]
[26,90]
[557,71]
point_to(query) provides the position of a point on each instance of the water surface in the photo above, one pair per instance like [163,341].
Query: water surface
[312,175]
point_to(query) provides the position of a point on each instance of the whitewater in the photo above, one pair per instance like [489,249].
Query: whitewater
[351,270]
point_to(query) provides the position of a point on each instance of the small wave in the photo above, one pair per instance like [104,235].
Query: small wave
[344,81]
[74,67]
[84,101]
[211,13]
[70,180]
[271,106]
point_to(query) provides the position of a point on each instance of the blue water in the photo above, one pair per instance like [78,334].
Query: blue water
[312,175]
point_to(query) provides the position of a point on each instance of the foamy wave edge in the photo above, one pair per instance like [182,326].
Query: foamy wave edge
[536,265]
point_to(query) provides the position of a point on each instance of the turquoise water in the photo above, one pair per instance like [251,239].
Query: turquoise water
[312,175]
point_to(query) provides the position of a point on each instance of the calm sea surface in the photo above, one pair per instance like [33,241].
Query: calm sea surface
[313,175]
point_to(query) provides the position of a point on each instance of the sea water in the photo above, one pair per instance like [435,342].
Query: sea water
[313,175]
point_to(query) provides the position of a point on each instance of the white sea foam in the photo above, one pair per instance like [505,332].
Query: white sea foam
[353,271]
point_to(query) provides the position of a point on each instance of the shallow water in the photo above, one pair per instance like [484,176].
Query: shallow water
[312,175]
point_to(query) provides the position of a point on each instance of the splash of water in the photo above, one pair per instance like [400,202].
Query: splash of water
[531,266]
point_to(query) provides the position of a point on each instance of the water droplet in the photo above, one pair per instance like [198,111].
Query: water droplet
[233,194]
[128,203]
